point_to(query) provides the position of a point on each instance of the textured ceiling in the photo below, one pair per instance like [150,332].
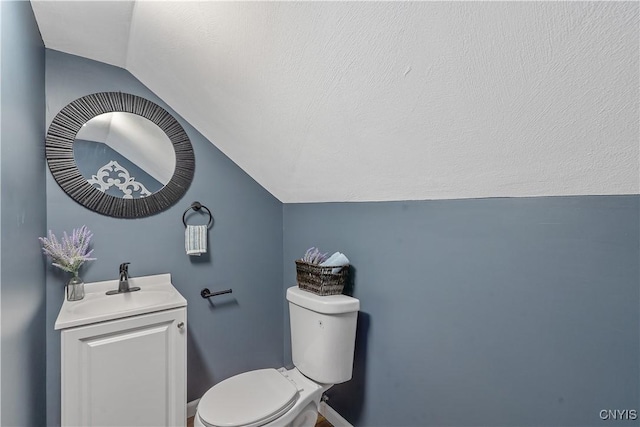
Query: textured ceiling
[353,101]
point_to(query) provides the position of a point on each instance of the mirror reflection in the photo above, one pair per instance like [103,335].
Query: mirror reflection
[124,155]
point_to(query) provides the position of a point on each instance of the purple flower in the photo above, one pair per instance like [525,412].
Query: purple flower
[71,252]
[314,256]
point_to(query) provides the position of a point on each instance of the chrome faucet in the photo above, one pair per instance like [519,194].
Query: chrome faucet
[123,285]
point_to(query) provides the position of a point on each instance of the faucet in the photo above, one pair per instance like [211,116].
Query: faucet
[123,285]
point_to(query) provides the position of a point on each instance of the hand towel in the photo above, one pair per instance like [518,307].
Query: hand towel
[338,259]
[195,239]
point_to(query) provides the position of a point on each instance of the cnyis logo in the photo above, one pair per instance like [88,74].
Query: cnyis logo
[618,414]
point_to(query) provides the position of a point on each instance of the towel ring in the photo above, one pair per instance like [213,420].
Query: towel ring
[196,206]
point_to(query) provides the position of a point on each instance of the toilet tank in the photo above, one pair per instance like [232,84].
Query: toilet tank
[323,334]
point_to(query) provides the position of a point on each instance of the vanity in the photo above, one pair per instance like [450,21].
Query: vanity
[124,356]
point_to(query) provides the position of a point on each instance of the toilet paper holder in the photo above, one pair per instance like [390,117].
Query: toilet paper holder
[206,293]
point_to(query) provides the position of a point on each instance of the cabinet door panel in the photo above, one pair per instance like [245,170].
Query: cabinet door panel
[129,372]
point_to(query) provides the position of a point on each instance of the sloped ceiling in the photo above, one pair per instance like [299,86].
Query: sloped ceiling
[354,101]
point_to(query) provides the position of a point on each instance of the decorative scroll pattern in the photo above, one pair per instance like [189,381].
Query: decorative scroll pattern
[59,151]
[103,180]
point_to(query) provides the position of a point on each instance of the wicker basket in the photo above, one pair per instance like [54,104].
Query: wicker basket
[320,280]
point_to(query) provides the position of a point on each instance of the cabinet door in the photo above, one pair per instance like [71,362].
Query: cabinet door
[126,372]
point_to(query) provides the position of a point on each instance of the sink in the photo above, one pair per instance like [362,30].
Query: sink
[156,293]
[120,302]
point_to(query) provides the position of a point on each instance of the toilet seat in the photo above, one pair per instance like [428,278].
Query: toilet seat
[250,399]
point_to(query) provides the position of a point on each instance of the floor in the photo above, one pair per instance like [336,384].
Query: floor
[322,422]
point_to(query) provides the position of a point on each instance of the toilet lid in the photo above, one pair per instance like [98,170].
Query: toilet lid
[250,399]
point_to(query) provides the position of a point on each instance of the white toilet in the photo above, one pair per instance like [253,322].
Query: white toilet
[323,331]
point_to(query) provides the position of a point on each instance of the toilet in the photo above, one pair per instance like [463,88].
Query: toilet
[323,331]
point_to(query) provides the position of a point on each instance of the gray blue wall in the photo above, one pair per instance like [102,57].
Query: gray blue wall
[486,312]
[23,217]
[231,334]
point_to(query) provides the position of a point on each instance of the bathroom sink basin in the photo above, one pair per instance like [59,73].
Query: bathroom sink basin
[156,293]
[120,302]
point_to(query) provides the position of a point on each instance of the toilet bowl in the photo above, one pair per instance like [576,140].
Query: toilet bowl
[265,397]
[323,330]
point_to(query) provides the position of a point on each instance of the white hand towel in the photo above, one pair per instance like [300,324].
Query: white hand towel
[336,260]
[195,239]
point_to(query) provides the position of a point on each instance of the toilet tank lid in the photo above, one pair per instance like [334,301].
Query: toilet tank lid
[330,304]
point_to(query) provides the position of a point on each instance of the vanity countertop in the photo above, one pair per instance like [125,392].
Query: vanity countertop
[156,293]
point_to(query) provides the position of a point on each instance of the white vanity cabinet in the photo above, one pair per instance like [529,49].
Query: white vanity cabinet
[126,372]
[127,369]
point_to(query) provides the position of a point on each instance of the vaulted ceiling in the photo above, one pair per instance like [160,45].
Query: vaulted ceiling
[353,101]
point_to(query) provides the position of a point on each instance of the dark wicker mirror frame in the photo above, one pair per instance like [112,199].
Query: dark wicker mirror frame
[59,152]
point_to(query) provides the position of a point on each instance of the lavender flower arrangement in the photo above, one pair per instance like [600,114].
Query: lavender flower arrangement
[72,252]
[314,256]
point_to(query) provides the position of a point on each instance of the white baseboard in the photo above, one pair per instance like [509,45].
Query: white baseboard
[332,416]
[191,408]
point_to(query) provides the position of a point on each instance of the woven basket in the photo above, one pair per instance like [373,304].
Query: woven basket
[320,280]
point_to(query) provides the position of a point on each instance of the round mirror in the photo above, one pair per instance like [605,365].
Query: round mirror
[119,155]
[124,155]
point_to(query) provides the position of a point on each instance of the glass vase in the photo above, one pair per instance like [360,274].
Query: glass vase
[75,289]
